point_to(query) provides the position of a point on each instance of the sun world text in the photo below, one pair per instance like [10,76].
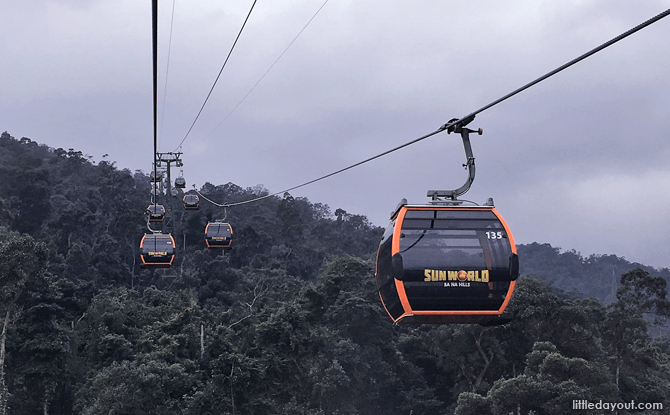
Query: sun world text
[432,275]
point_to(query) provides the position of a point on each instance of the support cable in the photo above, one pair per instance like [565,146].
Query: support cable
[572,62]
[322,177]
[167,69]
[270,68]
[452,124]
[219,75]
[154,19]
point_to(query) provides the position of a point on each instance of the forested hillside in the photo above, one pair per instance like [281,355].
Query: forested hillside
[593,276]
[288,322]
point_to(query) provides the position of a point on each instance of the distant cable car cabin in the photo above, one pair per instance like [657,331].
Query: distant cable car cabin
[157,250]
[219,235]
[180,183]
[156,213]
[174,192]
[446,265]
[191,202]
[157,178]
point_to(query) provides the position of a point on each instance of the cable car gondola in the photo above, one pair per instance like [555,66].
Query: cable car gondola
[157,250]
[219,235]
[156,213]
[445,262]
[157,178]
[180,183]
[191,202]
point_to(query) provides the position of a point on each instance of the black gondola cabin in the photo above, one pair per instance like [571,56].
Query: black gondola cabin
[191,202]
[180,183]
[447,264]
[219,235]
[157,178]
[157,250]
[156,213]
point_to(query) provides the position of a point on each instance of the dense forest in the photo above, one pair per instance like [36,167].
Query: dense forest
[289,321]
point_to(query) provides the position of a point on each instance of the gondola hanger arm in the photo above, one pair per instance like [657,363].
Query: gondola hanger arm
[458,126]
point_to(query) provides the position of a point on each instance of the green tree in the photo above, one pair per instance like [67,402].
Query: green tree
[136,388]
[640,367]
[40,349]
[24,288]
[549,384]
[640,293]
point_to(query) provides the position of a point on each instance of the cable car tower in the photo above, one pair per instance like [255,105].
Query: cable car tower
[445,262]
[164,161]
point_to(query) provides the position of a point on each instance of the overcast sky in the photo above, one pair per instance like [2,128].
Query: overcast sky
[580,161]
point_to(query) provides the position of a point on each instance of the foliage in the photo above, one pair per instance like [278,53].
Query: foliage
[288,322]
[593,276]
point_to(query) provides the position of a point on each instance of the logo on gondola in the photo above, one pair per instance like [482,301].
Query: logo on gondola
[432,275]
[462,275]
[157,253]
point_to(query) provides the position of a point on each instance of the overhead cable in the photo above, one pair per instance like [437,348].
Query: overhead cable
[270,68]
[167,69]
[154,32]
[456,122]
[219,75]
[572,62]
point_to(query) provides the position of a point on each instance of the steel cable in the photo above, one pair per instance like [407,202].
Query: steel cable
[452,124]
[219,75]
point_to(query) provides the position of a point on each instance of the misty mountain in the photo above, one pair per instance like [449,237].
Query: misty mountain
[289,321]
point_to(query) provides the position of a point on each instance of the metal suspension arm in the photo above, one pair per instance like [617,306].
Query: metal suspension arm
[470,163]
